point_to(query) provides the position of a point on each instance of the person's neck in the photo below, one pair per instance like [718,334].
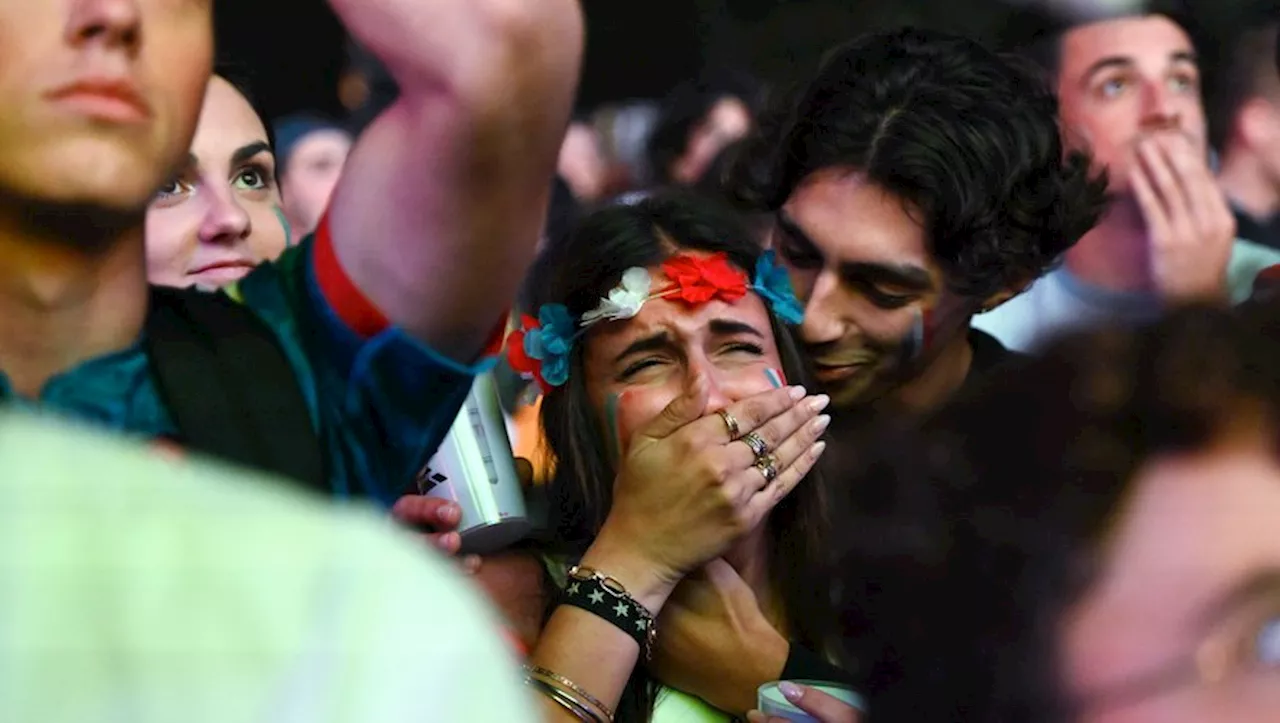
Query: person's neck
[1244,181]
[1114,255]
[940,380]
[72,287]
[749,557]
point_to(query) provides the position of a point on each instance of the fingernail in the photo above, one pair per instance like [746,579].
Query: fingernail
[820,424]
[797,393]
[756,716]
[451,512]
[819,402]
[819,448]
[790,691]
[450,541]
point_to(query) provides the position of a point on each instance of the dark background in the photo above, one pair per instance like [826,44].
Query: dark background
[634,48]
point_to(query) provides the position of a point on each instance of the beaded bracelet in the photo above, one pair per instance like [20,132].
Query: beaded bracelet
[606,598]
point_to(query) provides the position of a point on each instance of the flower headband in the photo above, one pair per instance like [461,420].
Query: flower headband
[542,346]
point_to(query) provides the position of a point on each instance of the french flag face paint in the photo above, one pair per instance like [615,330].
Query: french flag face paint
[775,377]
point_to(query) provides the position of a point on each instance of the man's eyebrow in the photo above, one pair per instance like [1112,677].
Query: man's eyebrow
[1260,584]
[1105,63]
[904,275]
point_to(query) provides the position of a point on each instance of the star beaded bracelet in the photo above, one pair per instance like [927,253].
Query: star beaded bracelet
[603,596]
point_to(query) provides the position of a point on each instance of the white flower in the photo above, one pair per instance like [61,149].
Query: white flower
[624,300]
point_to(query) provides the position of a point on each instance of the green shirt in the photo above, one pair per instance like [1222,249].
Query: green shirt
[140,589]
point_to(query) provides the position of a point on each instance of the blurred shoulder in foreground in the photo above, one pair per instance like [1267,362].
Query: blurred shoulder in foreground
[143,588]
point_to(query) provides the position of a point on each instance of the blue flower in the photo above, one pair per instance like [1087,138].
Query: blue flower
[552,342]
[774,285]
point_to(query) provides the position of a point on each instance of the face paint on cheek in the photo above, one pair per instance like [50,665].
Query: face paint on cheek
[917,341]
[284,222]
[775,377]
[611,424]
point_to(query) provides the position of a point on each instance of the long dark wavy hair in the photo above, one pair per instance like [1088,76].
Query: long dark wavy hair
[604,245]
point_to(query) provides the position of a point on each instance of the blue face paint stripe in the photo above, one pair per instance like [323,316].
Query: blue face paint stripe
[916,340]
[284,222]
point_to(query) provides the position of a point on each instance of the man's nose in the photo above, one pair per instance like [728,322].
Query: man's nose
[824,312]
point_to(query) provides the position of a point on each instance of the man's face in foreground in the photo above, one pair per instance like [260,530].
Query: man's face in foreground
[100,97]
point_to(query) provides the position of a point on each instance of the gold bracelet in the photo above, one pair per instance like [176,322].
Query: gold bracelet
[553,678]
[564,700]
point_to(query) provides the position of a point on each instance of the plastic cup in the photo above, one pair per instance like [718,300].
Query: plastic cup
[475,469]
[771,701]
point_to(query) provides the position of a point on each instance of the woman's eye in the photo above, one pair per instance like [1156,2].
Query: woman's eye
[638,367]
[251,179]
[176,187]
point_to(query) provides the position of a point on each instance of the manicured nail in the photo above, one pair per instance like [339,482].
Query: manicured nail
[818,449]
[790,691]
[451,513]
[821,423]
[798,393]
[819,402]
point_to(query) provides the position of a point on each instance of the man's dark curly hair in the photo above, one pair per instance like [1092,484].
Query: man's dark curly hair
[968,138]
[969,536]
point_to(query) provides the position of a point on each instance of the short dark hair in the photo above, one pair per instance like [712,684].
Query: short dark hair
[968,538]
[1036,32]
[969,138]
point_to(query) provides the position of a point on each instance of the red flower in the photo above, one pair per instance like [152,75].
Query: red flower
[519,360]
[699,279]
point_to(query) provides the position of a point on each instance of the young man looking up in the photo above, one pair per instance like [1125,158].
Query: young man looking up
[1129,90]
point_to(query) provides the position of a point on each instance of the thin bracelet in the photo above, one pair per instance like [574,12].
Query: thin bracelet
[579,711]
[539,672]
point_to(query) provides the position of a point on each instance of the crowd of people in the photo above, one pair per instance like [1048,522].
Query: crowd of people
[941,386]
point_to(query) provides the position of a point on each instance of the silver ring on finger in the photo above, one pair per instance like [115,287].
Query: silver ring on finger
[730,423]
[757,444]
[768,467]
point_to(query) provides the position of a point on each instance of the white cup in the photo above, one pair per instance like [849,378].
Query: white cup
[771,701]
[475,468]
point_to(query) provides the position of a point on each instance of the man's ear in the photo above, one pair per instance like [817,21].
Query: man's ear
[1256,123]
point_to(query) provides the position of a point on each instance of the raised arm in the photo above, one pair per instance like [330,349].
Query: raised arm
[441,203]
